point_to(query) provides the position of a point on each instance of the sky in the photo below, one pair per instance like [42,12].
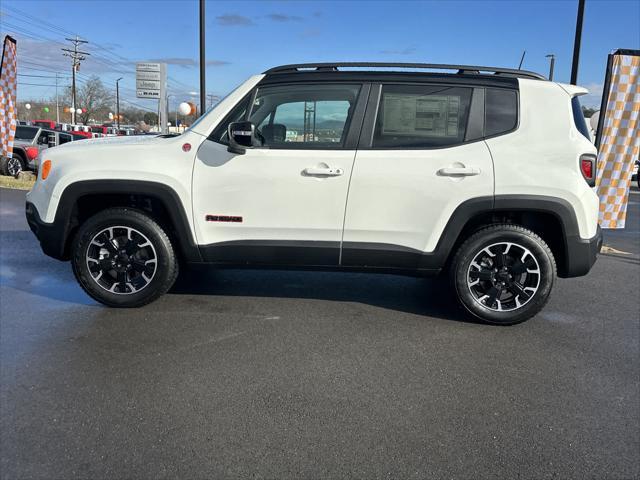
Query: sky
[248,37]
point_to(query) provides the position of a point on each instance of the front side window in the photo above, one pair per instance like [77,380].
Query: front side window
[43,138]
[304,116]
[421,116]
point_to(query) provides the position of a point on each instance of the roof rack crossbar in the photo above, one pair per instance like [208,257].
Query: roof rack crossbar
[460,69]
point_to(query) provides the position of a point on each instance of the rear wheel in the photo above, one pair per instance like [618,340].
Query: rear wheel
[503,274]
[123,258]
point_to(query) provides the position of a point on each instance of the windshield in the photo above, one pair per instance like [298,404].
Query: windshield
[212,107]
[26,133]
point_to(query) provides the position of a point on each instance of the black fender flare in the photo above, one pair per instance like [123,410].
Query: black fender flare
[57,233]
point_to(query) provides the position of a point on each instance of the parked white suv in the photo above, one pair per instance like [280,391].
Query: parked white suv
[484,172]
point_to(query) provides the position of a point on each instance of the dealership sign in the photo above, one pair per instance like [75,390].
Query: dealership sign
[151,80]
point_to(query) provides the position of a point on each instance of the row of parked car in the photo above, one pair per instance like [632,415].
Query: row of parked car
[34,136]
[87,131]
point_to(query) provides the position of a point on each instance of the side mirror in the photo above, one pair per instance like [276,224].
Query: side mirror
[243,135]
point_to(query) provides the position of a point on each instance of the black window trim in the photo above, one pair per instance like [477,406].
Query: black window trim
[353,126]
[373,105]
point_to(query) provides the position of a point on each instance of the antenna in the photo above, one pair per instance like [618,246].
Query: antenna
[524,52]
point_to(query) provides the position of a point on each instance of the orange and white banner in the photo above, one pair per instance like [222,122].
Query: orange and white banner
[8,93]
[618,137]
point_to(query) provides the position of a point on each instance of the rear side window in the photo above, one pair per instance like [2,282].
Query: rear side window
[501,111]
[578,118]
[421,116]
[64,138]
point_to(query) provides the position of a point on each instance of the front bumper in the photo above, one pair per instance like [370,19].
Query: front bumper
[51,236]
[581,255]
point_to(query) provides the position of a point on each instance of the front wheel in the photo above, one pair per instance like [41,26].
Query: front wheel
[503,274]
[123,258]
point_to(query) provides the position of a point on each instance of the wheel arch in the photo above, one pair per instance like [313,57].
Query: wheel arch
[82,199]
[553,219]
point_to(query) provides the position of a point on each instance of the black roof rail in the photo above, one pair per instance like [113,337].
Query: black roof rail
[460,69]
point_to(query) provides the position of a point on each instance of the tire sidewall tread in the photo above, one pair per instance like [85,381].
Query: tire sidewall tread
[167,268]
[495,234]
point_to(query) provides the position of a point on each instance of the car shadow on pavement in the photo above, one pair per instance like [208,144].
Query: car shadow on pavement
[48,278]
[421,296]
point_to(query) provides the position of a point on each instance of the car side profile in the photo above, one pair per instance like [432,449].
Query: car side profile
[484,173]
[28,143]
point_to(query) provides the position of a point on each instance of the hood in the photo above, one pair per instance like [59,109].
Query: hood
[113,141]
[23,142]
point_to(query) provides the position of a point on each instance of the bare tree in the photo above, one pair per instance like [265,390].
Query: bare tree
[93,98]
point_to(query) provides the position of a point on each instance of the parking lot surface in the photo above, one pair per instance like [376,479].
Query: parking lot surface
[295,374]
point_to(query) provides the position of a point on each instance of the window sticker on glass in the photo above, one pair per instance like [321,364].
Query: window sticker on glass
[421,115]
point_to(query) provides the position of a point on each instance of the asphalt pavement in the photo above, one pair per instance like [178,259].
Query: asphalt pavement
[273,374]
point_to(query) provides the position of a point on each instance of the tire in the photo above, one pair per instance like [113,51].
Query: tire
[123,258]
[12,166]
[503,274]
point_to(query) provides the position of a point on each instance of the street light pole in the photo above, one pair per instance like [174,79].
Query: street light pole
[203,87]
[168,108]
[118,104]
[552,62]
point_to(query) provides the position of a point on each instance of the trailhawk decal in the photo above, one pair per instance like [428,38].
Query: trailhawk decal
[223,218]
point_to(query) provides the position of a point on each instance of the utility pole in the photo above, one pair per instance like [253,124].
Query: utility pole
[203,65]
[57,104]
[552,62]
[76,57]
[118,103]
[576,43]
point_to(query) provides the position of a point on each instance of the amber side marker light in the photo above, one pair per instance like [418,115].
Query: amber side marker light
[46,168]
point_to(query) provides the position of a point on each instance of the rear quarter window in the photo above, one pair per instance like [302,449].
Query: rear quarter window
[501,111]
[578,118]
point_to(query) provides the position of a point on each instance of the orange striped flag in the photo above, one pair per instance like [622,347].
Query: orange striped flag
[8,93]
[619,136]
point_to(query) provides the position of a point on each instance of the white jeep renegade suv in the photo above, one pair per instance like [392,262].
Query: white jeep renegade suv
[394,168]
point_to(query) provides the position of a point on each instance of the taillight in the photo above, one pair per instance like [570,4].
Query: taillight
[588,168]
[32,152]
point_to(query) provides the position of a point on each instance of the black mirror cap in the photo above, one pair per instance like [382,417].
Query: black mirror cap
[243,135]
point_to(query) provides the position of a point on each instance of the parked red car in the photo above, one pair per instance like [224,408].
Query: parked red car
[50,124]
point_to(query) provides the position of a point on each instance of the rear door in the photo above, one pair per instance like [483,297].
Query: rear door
[421,157]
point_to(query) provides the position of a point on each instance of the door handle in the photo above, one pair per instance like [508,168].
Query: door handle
[323,171]
[459,171]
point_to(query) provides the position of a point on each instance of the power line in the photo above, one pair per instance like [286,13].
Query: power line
[39,76]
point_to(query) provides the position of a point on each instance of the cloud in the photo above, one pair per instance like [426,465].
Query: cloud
[403,51]
[594,97]
[310,32]
[233,20]
[183,62]
[282,17]
[217,63]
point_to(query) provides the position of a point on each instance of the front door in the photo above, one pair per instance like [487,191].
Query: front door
[282,203]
